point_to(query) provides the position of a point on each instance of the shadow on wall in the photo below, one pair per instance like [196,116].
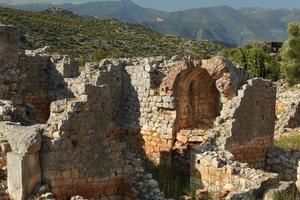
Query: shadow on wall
[196,107]
[197,100]
[42,84]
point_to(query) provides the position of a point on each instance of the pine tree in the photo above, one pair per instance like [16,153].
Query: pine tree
[290,68]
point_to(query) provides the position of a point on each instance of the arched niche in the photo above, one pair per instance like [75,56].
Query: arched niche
[197,100]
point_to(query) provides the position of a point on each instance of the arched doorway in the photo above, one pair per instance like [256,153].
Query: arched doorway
[197,100]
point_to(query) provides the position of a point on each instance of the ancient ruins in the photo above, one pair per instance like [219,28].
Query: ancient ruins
[88,133]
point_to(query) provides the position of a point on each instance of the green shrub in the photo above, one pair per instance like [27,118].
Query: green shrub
[257,61]
[290,68]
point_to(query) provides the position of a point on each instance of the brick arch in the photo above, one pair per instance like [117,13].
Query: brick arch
[197,99]
[167,85]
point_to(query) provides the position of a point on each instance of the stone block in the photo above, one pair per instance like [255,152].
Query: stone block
[25,139]
[23,174]
[68,67]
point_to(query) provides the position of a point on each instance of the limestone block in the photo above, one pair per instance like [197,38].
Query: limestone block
[25,139]
[67,67]
[23,174]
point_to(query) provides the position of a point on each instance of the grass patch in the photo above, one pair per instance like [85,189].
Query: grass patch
[291,143]
[172,182]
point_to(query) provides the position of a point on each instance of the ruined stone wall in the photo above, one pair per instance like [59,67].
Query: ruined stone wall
[163,108]
[283,162]
[79,157]
[34,81]
[288,109]
[144,114]
[215,174]
[9,45]
[9,38]
[160,97]
[252,124]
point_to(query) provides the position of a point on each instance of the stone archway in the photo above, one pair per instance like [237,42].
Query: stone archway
[197,100]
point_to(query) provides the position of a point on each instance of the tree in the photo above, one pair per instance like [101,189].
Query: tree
[256,60]
[252,59]
[290,68]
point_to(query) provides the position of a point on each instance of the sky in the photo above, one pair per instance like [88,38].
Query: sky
[173,5]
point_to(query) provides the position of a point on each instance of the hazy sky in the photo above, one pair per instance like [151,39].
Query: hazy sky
[171,5]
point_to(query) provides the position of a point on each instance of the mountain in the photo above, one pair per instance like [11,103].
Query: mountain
[219,23]
[94,39]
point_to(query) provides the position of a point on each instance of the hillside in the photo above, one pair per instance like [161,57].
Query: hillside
[95,39]
[220,23]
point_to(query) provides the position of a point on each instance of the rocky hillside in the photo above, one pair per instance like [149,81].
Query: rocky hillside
[220,23]
[92,39]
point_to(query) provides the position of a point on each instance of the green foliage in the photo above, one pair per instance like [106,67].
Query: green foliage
[290,68]
[289,143]
[172,182]
[273,68]
[92,40]
[257,61]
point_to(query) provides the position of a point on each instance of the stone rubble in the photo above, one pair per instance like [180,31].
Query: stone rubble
[288,108]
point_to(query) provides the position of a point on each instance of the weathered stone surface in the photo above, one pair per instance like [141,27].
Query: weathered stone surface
[22,140]
[66,66]
[228,78]
[283,162]
[252,122]
[9,39]
[216,171]
[288,109]
[285,190]
[23,174]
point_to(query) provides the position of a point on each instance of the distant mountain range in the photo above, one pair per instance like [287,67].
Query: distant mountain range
[220,23]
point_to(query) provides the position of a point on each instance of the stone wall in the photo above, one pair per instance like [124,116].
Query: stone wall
[215,173]
[144,113]
[253,120]
[160,97]
[77,155]
[283,162]
[33,74]
[9,39]
[288,108]
[9,45]
[97,125]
